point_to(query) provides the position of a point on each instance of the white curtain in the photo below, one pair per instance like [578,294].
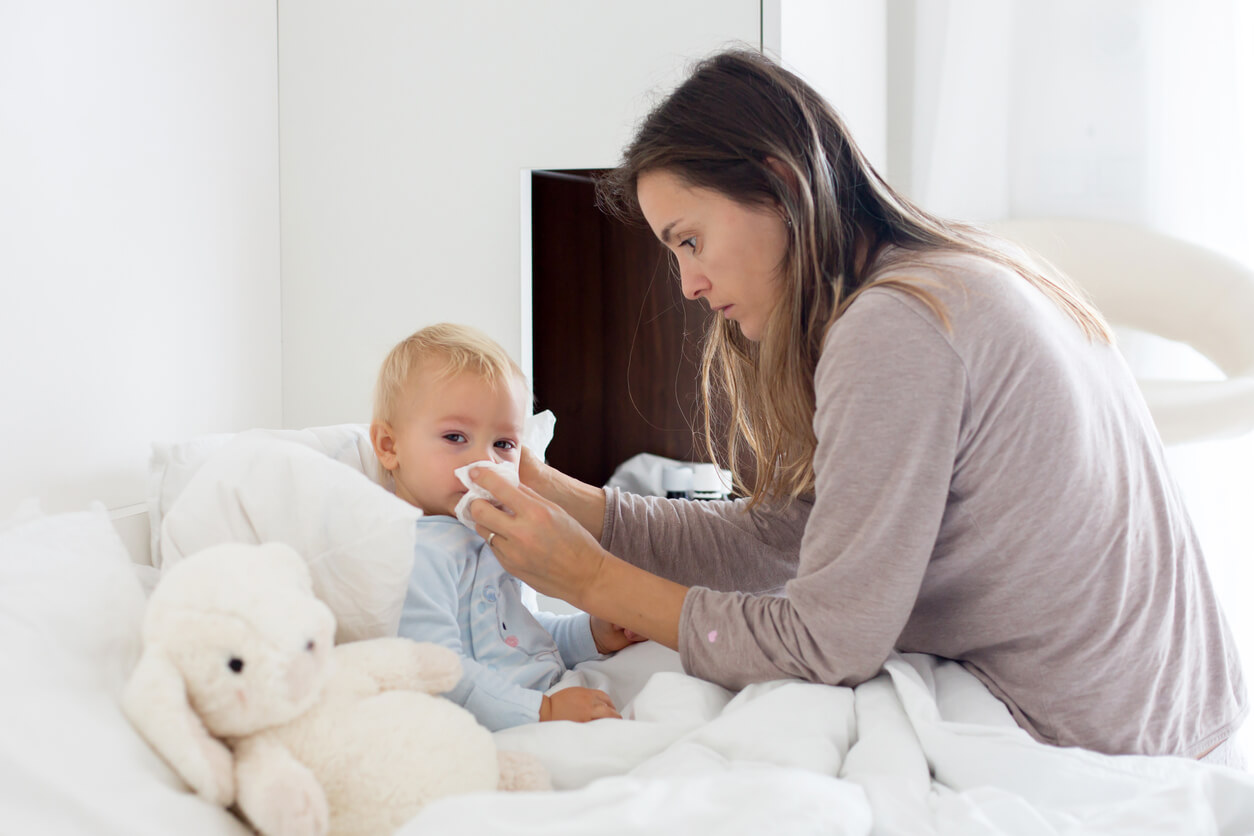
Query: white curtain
[1133,110]
[1129,110]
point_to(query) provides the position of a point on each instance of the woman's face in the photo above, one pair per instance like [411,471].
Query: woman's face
[729,254]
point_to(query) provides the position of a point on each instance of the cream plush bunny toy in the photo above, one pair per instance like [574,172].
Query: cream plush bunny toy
[241,691]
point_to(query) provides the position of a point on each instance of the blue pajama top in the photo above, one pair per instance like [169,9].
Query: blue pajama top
[460,597]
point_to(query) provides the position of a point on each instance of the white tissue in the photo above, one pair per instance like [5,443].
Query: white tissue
[538,432]
[507,470]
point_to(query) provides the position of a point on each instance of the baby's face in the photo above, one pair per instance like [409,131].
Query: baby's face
[441,425]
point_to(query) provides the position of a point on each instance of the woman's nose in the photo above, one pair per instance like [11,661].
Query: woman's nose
[692,281]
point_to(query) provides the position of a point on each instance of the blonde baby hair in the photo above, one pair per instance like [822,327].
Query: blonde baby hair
[451,349]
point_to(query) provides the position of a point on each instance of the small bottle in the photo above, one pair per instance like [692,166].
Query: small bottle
[709,483]
[677,482]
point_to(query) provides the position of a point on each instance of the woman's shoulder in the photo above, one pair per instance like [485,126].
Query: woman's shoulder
[954,292]
[949,274]
[948,307]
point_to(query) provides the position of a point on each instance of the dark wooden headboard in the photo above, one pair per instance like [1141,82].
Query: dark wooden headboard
[616,346]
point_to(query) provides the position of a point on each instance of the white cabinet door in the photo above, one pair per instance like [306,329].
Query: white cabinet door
[404,129]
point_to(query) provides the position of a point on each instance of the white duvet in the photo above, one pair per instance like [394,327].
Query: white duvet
[923,748]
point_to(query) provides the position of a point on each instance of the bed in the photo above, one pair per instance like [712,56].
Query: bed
[921,748]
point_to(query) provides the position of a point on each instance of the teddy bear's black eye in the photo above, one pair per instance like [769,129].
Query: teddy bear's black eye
[236,664]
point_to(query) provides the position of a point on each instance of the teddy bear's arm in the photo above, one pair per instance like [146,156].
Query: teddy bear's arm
[278,794]
[403,664]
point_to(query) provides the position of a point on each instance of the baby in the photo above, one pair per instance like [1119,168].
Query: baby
[448,396]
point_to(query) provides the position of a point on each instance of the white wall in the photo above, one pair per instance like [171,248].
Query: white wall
[139,284]
[840,47]
[405,128]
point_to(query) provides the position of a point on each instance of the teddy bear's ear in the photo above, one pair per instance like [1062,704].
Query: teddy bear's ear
[285,562]
[156,703]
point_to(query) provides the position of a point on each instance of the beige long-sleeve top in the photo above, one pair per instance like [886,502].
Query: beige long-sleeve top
[993,493]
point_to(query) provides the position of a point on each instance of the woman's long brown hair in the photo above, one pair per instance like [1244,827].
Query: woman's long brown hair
[747,128]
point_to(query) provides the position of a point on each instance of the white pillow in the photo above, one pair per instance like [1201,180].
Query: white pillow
[70,762]
[69,598]
[357,537]
[172,466]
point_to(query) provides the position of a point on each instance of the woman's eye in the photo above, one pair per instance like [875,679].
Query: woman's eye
[456,438]
[690,243]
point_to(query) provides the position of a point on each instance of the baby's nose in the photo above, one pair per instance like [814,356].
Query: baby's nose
[489,453]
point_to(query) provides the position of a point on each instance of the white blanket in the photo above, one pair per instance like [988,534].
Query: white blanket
[923,748]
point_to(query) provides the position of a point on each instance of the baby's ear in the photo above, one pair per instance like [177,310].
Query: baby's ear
[384,443]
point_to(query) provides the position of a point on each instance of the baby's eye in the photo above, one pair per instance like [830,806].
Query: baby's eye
[456,438]
[506,444]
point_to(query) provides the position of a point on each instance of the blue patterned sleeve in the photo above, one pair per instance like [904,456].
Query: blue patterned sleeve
[573,635]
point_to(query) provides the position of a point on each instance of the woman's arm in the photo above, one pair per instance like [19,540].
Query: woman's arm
[721,545]
[890,394]
[582,501]
[637,600]
[547,548]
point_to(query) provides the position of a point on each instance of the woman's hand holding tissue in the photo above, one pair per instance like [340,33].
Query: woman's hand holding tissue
[535,540]
[548,549]
[586,503]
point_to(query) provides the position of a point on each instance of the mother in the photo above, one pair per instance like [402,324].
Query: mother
[942,450]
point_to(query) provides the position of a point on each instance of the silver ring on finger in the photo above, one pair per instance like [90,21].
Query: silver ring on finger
[491,534]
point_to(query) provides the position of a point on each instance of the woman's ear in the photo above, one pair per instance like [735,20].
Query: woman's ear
[784,173]
[384,442]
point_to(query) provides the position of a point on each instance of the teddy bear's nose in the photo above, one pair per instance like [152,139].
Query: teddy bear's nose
[311,645]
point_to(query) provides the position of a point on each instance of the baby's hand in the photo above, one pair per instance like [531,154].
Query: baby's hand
[610,638]
[579,705]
